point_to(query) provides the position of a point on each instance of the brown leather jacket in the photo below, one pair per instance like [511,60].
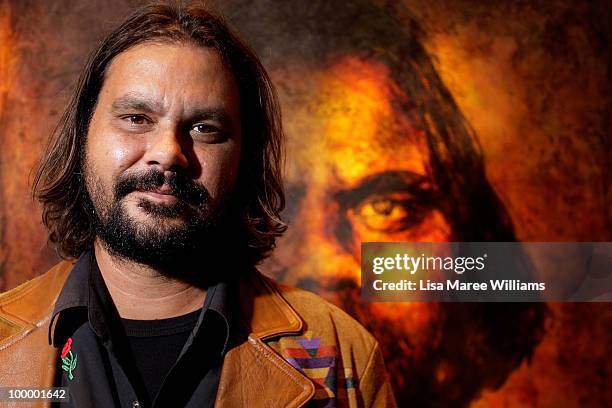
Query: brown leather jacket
[284,323]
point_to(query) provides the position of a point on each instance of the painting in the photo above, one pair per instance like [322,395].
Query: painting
[405,120]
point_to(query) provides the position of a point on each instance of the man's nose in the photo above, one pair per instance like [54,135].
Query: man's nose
[310,256]
[167,150]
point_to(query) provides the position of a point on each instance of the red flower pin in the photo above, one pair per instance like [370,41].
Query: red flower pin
[68,358]
[67,347]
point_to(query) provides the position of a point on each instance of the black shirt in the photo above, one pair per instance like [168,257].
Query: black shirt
[103,366]
[156,345]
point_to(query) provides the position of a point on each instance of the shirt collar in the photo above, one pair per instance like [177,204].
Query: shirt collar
[85,296]
[74,295]
[75,291]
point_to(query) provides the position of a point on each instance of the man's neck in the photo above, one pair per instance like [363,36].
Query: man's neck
[143,293]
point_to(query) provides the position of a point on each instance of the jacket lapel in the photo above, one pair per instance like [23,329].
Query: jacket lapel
[253,374]
[27,358]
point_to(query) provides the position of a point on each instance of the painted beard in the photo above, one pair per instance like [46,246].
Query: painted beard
[174,231]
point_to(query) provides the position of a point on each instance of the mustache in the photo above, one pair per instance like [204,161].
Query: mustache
[180,185]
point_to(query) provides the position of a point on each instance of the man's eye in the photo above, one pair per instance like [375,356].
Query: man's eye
[389,214]
[206,133]
[136,119]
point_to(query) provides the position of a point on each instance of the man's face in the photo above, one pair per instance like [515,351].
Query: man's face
[163,149]
[358,171]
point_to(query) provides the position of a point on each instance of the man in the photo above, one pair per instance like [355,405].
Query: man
[162,188]
[381,152]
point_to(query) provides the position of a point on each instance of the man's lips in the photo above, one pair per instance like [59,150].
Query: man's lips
[160,195]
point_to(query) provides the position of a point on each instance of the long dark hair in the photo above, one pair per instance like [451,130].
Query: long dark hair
[59,184]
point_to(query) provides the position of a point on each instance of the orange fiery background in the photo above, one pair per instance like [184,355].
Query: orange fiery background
[532,78]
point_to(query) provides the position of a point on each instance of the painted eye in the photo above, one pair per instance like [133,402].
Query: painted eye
[389,213]
[204,128]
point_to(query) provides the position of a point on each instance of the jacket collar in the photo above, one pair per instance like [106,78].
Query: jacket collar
[264,312]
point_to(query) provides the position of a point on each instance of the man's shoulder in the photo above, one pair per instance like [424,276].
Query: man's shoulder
[319,313]
[325,324]
[26,306]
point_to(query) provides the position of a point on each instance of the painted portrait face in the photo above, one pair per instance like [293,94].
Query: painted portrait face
[357,171]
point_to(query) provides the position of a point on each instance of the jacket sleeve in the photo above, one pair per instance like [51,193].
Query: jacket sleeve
[374,384]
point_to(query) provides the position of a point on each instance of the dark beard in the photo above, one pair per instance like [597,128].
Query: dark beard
[159,244]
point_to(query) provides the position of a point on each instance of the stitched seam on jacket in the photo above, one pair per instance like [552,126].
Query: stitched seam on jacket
[369,364]
[269,354]
[21,336]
